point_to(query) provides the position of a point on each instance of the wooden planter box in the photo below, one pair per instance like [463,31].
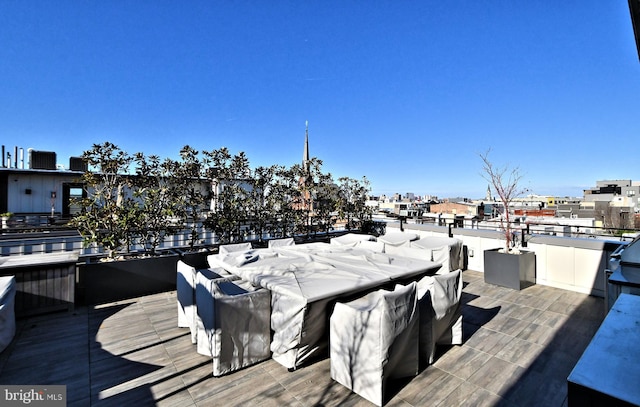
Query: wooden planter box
[515,271]
[117,280]
[44,282]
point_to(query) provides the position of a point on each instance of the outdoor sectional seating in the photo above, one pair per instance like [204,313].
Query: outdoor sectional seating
[445,250]
[233,324]
[368,336]
[373,339]
[284,242]
[440,312]
[292,277]
[234,247]
[351,239]
[186,297]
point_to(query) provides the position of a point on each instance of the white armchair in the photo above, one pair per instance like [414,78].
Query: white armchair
[351,239]
[186,295]
[234,323]
[445,250]
[287,241]
[398,239]
[440,312]
[373,339]
[442,255]
[372,245]
[234,247]
[7,310]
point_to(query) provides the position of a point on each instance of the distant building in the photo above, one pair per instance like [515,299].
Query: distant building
[614,203]
[611,190]
[465,209]
[40,187]
[305,181]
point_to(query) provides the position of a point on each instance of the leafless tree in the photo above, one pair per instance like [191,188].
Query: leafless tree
[504,181]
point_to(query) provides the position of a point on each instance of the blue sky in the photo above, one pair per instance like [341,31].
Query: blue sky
[407,93]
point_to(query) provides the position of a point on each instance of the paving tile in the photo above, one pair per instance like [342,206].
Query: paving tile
[116,371]
[483,302]
[551,319]
[520,352]
[260,389]
[488,341]
[522,312]
[541,291]
[535,302]
[180,399]
[563,307]
[497,376]
[506,325]
[462,361]
[554,365]
[535,389]
[479,315]
[468,394]
[538,334]
[439,385]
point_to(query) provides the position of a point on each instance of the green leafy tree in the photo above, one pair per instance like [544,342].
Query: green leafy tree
[325,202]
[158,192]
[260,207]
[195,193]
[282,198]
[352,199]
[230,181]
[107,212]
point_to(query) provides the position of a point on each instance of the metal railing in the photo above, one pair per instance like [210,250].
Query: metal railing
[528,227]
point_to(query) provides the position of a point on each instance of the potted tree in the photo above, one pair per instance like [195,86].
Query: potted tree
[231,185]
[509,266]
[5,219]
[124,211]
[352,203]
[282,197]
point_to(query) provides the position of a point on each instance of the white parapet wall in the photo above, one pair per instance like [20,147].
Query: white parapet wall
[575,264]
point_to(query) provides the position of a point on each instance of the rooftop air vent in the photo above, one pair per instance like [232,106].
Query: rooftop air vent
[42,160]
[78,164]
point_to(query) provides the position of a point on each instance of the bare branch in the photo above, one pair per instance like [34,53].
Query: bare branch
[505,181]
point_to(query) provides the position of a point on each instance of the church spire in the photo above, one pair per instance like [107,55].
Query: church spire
[305,156]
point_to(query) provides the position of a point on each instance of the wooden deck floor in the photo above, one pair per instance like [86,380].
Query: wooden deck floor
[519,347]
